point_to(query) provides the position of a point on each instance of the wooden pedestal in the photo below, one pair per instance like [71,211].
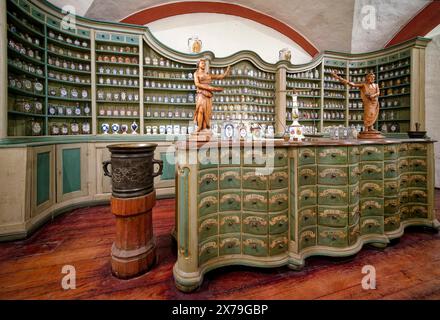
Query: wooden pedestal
[134,250]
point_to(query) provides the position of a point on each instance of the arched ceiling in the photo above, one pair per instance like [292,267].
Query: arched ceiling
[327,24]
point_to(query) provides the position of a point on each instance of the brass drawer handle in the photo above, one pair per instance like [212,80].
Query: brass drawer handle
[333,176]
[333,197]
[230,223]
[282,202]
[280,180]
[333,155]
[230,201]
[208,205]
[230,179]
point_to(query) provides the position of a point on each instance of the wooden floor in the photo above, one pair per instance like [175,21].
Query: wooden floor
[31,269]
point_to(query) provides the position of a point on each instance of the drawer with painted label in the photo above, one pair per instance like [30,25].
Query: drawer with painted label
[354,214]
[255,157]
[307,175]
[332,155]
[230,157]
[391,188]
[418,181]
[371,225]
[332,237]
[307,197]
[372,153]
[417,149]
[208,227]
[230,178]
[208,180]
[332,196]
[354,194]
[307,156]
[419,211]
[404,166]
[230,244]
[229,223]
[371,189]
[307,217]
[307,237]
[404,181]
[354,173]
[278,200]
[230,201]
[208,203]
[278,223]
[372,207]
[371,171]
[405,212]
[353,234]
[333,216]
[252,180]
[255,201]
[403,150]
[208,250]
[418,196]
[391,223]
[391,205]
[278,245]
[280,157]
[391,152]
[331,175]
[354,154]
[255,246]
[391,169]
[279,179]
[404,197]
[418,165]
[254,223]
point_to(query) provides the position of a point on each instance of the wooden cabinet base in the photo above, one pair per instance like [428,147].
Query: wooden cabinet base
[134,250]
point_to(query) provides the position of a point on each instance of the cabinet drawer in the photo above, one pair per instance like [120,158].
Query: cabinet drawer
[418,165]
[417,149]
[329,175]
[307,217]
[418,196]
[391,170]
[207,161]
[391,188]
[371,189]
[404,197]
[254,158]
[278,223]
[255,201]
[307,197]
[372,225]
[332,155]
[279,179]
[404,166]
[404,212]
[255,224]
[371,207]
[229,245]
[208,180]
[391,152]
[278,245]
[230,201]
[332,237]
[354,194]
[333,196]
[307,175]
[230,179]
[280,157]
[208,250]
[255,246]
[278,200]
[230,157]
[333,216]
[208,227]
[391,206]
[419,211]
[403,150]
[354,214]
[372,153]
[354,155]
[404,181]
[372,171]
[355,173]
[229,223]
[392,223]
[251,180]
[307,156]
[353,234]
[208,203]
[307,238]
[418,181]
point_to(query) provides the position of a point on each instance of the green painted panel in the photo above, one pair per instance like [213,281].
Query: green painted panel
[43,177]
[169,166]
[71,170]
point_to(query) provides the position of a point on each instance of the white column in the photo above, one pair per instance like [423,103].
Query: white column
[280,101]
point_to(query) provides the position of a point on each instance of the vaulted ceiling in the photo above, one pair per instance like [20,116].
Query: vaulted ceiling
[327,24]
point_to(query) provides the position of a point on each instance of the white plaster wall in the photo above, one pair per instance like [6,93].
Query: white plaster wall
[432,92]
[225,35]
[81,6]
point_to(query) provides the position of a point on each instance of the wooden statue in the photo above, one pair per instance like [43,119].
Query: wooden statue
[370,97]
[202,80]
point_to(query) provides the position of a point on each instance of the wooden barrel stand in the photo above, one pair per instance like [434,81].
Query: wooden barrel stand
[134,250]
